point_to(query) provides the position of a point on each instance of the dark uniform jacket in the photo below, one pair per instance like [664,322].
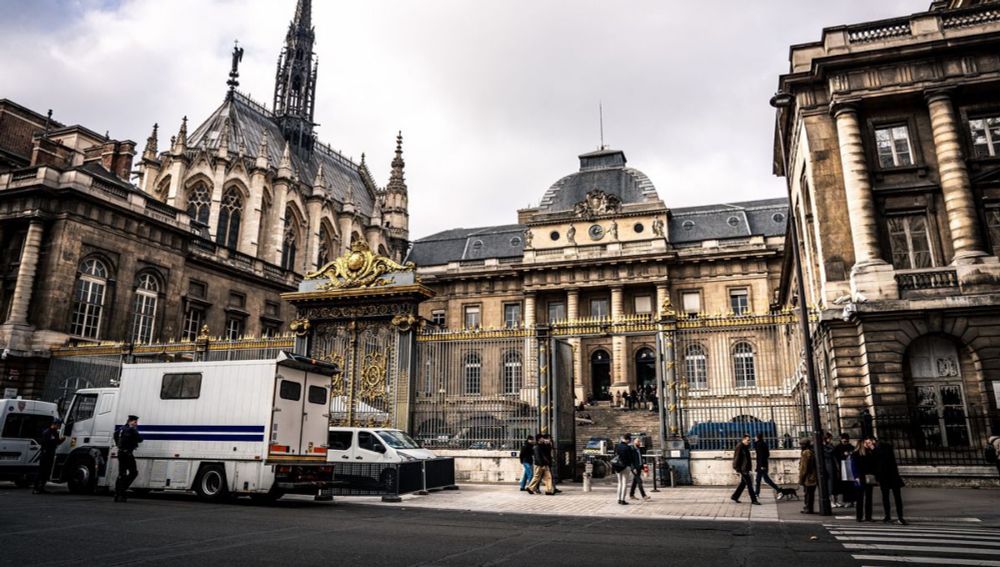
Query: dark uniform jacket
[883,466]
[741,458]
[129,439]
[50,440]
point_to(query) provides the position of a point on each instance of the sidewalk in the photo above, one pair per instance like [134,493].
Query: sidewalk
[923,505]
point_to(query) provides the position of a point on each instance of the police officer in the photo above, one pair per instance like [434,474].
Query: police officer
[50,441]
[128,442]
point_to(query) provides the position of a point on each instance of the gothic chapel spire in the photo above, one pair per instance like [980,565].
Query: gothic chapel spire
[295,82]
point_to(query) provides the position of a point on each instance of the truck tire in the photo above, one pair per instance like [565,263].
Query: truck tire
[81,475]
[211,483]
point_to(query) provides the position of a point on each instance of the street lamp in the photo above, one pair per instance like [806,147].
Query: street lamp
[783,101]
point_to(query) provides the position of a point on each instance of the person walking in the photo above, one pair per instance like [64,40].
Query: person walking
[763,454]
[863,478]
[128,441]
[526,458]
[844,485]
[47,455]
[830,473]
[742,463]
[621,464]
[886,472]
[994,442]
[542,457]
[637,466]
[807,476]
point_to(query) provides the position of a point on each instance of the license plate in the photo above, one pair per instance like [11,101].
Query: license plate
[10,456]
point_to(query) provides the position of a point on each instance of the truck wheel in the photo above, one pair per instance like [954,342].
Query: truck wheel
[81,476]
[211,483]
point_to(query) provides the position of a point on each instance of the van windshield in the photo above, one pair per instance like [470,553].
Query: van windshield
[397,440]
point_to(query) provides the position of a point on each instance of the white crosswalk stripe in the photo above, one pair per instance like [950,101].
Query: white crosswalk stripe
[931,544]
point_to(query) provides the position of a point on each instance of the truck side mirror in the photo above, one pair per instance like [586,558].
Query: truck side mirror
[379,448]
[67,428]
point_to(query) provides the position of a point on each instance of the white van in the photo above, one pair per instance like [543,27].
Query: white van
[373,445]
[22,423]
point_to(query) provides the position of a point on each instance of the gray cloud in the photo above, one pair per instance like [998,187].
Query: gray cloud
[495,99]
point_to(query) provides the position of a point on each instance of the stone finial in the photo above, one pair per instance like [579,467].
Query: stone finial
[151,144]
[397,181]
[263,162]
[319,183]
[285,165]
[180,141]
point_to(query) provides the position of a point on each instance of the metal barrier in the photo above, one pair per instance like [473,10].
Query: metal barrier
[391,480]
[949,438]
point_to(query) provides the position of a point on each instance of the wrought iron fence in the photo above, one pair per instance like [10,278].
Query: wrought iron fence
[475,389]
[949,438]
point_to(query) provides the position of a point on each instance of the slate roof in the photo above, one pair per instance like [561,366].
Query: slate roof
[249,122]
[604,170]
[728,220]
[458,244]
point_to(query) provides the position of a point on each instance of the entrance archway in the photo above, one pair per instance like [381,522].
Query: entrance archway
[600,374]
[645,368]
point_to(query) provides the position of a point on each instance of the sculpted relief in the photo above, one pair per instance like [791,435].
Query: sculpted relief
[597,203]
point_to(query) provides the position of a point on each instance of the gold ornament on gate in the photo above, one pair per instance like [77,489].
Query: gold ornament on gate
[372,379]
[404,322]
[300,327]
[360,267]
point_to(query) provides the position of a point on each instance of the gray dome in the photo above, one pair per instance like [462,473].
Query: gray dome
[603,170]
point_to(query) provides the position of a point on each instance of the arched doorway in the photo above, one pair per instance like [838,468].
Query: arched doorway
[938,393]
[600,374]
[645,368]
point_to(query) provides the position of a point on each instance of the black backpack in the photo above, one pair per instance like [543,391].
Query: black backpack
[990,454]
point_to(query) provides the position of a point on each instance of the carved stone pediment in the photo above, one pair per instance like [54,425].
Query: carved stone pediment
[597,203]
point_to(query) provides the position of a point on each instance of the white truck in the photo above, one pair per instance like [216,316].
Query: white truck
[255,427]
[21,425]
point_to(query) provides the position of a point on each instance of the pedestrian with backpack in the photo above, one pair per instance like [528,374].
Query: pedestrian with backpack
[621,464]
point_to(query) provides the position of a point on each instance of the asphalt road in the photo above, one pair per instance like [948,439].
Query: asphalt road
[65,529]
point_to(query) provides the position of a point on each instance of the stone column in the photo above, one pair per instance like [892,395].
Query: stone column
[26,275]
[955,185]
[662,293]
[529,309]
[277,237]
[871,276]
[619,367]
[314,208]
[573,314]
[857,185]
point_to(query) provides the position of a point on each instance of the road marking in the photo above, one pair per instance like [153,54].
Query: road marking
[930,560]
[985,543]
[921,548]
[905,529]
[915,535]
[924,519]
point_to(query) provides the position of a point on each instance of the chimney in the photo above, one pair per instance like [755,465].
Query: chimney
[116,157]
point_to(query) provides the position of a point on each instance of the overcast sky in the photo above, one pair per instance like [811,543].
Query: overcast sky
[495,99]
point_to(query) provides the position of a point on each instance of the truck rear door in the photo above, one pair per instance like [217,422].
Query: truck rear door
[288,413]
[316,416]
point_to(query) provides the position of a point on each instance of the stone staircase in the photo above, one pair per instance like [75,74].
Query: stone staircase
[613,422]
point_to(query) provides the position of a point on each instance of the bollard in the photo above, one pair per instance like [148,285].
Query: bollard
[423,474]
[656,481]
[672,483]
[588,473]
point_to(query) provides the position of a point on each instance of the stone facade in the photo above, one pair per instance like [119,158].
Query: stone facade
[892,143]
[602,246]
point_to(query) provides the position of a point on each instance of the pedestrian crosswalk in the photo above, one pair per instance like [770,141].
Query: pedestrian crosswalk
[931,544]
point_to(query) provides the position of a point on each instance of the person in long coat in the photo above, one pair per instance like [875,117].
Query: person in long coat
[844,483]
[742,463]
[886,472]
[861,471]
[807,476]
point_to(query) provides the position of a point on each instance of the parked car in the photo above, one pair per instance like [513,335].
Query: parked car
[21,425]
[599,446]
[723,435]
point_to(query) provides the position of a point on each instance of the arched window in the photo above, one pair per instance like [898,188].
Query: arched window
[326,249]
[696,366]
[88,300]
[147,289]
[743,365]
[473,374]
[199,203]
[291,241]
[511,372]
[230,214]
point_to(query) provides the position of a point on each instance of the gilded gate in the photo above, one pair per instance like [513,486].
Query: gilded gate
[360,312]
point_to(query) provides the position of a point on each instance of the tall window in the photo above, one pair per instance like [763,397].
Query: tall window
[230,213]
[144,311]
[511,315]
[599,308]
[291,243]
[696,365]
[88,301]
[473,316]
[235,327]
[437,317]
[557,311]
[473,373]
[909,242]
[511,372]
[691,303]
[743,365]
[199,203]
[739,301]
[643,304]
[893,145]
[194,318]
[986,136]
